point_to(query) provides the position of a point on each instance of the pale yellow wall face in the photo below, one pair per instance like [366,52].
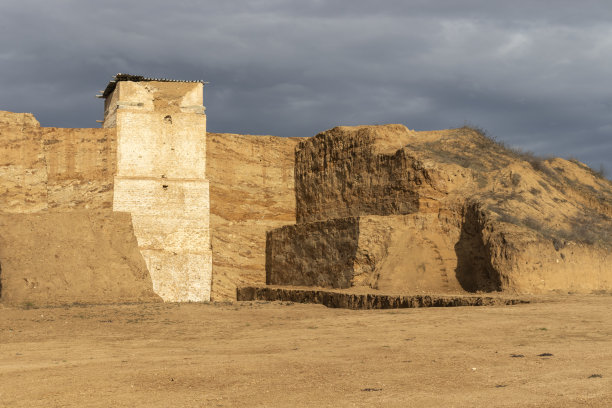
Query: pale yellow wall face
[161,181]
[171,145]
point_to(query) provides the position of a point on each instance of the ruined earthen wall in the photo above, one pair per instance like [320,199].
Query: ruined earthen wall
[60,241]
[54,168]
[313,254]
[80,167]
[251,188]
[397,254]
[251,192]
[399,239]
[441,212]
[348,172]
[23,172]
[525,262]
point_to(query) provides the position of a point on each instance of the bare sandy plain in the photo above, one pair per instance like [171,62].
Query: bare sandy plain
[553,352]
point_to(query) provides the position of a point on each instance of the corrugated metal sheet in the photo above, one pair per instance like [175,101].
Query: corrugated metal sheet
[135,78]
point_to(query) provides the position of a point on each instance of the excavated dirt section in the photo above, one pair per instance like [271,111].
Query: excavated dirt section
[251,192]
[448,211]
[54,168]
[339,176]
[323,254]
[81,256]
[347,300]
[60,242]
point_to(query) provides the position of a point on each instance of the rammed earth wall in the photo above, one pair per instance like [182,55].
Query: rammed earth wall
[142,150]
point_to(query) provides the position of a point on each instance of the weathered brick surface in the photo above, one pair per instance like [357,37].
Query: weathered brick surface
[161,181]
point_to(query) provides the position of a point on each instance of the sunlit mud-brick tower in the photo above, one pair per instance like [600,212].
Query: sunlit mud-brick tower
[161,179]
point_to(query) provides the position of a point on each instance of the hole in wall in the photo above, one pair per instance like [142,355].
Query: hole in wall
[165,186]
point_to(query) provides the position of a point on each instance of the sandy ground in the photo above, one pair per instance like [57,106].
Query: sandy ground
[554,353]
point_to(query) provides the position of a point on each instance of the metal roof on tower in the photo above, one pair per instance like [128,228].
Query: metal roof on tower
[134,78]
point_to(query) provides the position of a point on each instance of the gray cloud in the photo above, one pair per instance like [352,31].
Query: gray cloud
[535,76]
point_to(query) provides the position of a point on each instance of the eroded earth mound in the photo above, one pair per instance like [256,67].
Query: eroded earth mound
[445,211]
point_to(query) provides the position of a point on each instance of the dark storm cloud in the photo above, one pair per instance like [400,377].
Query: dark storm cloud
[534,75]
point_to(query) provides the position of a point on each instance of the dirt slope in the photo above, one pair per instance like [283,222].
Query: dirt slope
[81,256]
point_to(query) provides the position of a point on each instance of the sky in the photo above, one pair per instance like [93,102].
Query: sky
[536,75]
